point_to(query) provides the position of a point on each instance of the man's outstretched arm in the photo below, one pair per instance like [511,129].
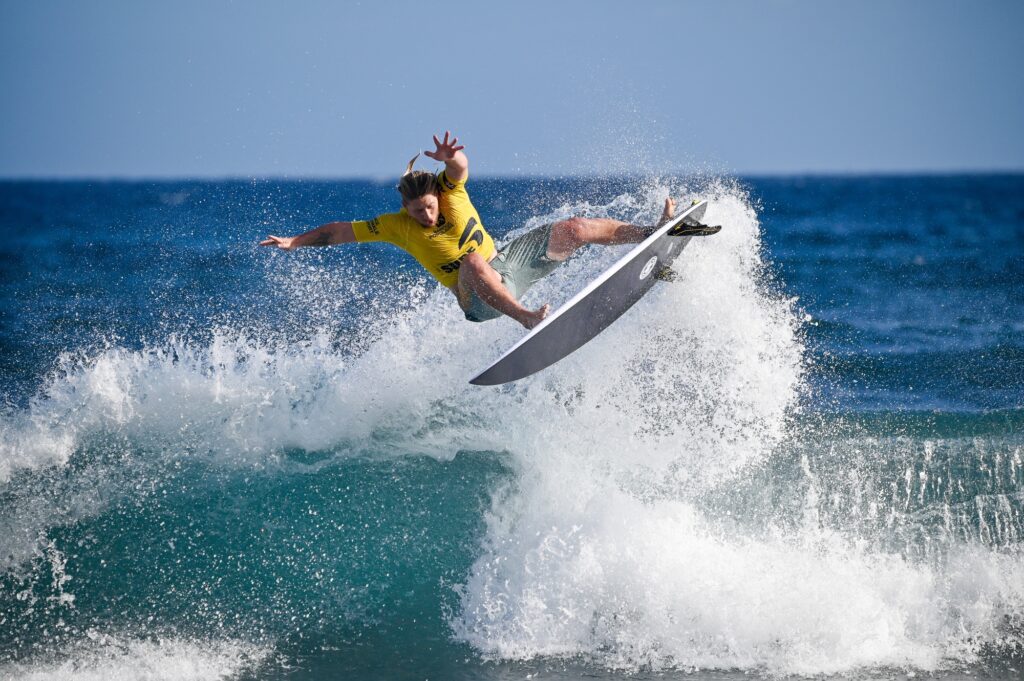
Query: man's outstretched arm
[324,235]
[456,164]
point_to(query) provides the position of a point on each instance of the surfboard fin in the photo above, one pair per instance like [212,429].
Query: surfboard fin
[666,273]
[694,229]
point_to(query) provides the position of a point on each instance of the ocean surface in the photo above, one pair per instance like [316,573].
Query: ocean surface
[805,457]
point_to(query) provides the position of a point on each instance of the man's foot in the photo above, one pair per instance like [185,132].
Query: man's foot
[668,212]
[532,319]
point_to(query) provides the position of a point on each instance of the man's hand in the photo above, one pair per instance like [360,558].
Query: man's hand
[285,243]
[324,235]
[445,150]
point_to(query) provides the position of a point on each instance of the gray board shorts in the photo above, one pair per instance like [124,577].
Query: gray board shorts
[521,263]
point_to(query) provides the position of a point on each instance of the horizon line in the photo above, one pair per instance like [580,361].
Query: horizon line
[377,179]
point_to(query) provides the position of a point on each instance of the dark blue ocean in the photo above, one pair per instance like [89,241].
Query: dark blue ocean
[804,457]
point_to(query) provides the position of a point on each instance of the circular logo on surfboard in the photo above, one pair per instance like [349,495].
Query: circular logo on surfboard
[649,267]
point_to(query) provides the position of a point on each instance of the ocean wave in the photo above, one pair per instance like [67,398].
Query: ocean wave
[658,501]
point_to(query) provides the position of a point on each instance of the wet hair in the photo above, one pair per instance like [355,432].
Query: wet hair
[417,183]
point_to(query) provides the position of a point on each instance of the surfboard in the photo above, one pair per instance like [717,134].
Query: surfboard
[593,309]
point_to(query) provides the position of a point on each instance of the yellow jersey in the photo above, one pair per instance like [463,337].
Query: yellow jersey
[441,248]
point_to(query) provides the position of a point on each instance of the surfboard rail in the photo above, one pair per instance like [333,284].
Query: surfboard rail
[656,251]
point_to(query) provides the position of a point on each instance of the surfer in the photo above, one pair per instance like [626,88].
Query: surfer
[439,226]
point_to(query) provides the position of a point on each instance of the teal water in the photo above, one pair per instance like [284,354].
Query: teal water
[804,458]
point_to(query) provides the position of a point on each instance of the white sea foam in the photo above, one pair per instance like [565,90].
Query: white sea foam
[106,657]
[633,584]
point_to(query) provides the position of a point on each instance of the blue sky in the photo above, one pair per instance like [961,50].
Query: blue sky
[353,89]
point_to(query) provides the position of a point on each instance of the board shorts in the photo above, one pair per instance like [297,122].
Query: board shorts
[521,263]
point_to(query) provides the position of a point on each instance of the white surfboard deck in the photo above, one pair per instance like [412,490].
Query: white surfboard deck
[593,309]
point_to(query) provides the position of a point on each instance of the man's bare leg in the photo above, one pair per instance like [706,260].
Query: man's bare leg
[568,235]
[477,275]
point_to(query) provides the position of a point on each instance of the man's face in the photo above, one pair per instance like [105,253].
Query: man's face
[424,210]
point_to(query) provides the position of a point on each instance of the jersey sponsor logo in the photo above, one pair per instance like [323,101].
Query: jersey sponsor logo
[471,234]
[374,225]
[442,227]
[454,265]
